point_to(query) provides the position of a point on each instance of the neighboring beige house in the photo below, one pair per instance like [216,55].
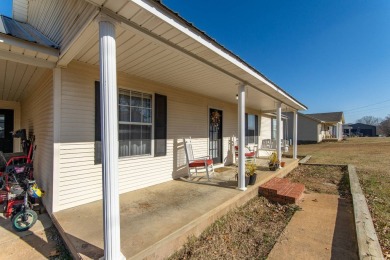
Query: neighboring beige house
[314,128]
[165,82]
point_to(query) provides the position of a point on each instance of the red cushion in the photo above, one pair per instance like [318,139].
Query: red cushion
[251,154]
[200,163]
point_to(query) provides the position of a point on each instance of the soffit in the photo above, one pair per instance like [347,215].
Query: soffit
[17,79]
[142,57]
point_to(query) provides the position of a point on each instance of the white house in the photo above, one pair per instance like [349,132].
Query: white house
[122,82]
[314,128]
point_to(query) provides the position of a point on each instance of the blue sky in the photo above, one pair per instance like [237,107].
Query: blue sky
[6,7]
[331,55]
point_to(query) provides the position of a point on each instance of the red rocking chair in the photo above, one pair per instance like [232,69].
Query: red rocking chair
[205,162]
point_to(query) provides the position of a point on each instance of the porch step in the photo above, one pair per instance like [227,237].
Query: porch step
[282,191]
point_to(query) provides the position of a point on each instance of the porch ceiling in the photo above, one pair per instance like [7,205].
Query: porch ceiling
[25,55]
[17,79]
[152,43]
[142,57]
[155,44]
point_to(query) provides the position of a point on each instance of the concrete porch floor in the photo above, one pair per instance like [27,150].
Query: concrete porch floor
[157,220]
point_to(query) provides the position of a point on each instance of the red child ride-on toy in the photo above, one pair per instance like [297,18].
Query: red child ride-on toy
[18,189]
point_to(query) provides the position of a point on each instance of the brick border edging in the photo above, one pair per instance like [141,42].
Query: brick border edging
[368,243]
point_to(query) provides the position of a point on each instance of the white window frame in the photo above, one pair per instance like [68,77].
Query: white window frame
[138,123]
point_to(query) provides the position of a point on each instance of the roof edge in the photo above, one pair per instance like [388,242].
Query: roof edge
[312,118]
[213,42]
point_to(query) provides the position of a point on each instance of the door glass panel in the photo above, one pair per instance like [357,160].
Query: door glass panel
[215,135]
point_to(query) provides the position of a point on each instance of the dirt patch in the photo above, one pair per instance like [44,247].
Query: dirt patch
[323,229]
[248,232]
[322,179]
[326,220]
[61,252]
[371,156]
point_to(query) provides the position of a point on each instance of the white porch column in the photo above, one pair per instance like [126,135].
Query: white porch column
[295,135]
[278,132]
[57,86]
[241,137]
[109,128]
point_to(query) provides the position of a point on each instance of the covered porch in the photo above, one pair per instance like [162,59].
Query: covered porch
[333,131]
[144,49]
[157,220]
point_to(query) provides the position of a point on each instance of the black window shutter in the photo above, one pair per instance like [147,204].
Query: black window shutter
[246,129]
[256,129]
[98,135]
[160,125]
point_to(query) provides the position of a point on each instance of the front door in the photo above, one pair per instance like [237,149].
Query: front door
[6,128]
[215,135]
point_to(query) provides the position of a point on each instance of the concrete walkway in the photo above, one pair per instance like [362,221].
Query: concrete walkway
[323,229]
[157,220]
[35,243]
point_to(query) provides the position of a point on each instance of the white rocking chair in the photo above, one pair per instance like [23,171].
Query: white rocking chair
[193,163]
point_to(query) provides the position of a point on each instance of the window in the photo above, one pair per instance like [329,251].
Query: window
[135,123]
[251,129]
[274,128]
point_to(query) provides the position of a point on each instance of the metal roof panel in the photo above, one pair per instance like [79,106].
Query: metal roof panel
[23,31]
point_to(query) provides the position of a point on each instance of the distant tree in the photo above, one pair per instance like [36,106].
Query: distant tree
[369,120]
[384,126]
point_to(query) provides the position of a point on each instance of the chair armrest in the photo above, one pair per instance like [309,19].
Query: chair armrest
[202,158]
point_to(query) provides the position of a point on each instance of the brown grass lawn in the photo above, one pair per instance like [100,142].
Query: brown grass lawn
[323,179]
[371,156]
[247,232]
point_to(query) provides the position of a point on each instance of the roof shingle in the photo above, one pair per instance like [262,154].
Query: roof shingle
[328,117]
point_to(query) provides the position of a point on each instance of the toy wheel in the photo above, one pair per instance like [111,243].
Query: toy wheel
[22,221]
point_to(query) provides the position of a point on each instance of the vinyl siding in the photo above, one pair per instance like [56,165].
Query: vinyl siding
[80,179]
[37,119]
[308,130]
[265,126]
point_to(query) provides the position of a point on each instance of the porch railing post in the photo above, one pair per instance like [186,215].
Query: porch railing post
[109,130]
[278,132]
[241,137]
[295,135]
